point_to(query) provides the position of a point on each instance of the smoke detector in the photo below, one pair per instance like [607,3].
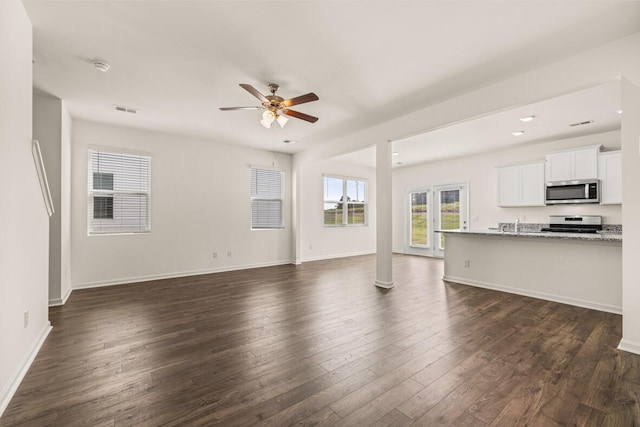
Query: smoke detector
[101,66]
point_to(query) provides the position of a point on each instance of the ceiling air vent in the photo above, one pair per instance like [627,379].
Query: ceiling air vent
[125,109]
[588,122]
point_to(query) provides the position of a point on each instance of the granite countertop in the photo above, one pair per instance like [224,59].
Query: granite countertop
[602,237]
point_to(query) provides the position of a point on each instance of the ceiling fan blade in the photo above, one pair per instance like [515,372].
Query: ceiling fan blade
[253,91]
[300,99]
[239,108]
[299,115]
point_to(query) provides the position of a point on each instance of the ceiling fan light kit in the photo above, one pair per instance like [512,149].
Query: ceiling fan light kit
[267,118]
[282,120]
[276,107]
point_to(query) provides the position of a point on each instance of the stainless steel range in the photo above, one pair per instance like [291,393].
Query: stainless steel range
[574,224]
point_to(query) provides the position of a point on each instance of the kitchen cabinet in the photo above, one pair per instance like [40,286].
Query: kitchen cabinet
[580,163]
[521,185]
[610,175]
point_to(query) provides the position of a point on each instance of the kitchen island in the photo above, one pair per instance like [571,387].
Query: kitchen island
[578,269]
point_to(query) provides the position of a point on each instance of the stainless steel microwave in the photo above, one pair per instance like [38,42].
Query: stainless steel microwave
[574,191]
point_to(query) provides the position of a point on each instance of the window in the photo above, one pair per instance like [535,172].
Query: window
[267,188]
[119,193]
[102,207]
[345,201]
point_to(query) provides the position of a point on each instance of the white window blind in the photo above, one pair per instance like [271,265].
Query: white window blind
[267,187]
[119,193]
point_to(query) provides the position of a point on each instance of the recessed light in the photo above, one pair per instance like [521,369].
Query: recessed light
[527,118]
[289,141]
[395,153]
[101,66]
[619,111]
[517,133]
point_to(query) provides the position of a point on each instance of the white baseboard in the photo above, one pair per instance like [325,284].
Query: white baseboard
[60,301]
[384,285]
[630,347]
[335,256]
[126,280]
[541,295]
[4,402]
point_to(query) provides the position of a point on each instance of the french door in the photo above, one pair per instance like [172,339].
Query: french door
[442,207]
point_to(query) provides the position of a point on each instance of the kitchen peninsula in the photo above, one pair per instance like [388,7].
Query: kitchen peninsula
[578,269]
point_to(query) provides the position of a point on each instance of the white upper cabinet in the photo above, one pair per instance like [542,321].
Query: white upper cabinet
[581,163]
[521,185]
[559,166]
[509,183]
[610,175]
[532,184]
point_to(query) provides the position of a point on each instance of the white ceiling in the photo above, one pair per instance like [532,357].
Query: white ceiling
[599,104]
[179,61]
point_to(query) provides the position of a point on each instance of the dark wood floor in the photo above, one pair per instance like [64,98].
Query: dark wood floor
[318,344]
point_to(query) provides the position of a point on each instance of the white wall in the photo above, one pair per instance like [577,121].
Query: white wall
[65,205]
[47,111]
[631,217]
[199,204]
[52,128]
[320,242]
[480,172]
[24,222]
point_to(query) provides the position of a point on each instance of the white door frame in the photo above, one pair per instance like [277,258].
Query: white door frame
[433,216]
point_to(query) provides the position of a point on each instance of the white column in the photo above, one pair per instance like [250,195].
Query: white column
[630,135]
[384,262]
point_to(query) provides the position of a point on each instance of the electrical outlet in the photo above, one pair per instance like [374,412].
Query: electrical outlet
[215,255]
[467,263]
[26,318]
[229,254]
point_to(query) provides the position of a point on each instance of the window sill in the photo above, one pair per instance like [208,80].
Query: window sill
[118,233]
[345,225]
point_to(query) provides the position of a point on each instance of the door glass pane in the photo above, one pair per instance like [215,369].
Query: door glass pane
[449,212]
[419,221]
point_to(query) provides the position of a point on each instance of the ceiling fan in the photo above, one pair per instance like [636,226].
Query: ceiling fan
[276,107]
